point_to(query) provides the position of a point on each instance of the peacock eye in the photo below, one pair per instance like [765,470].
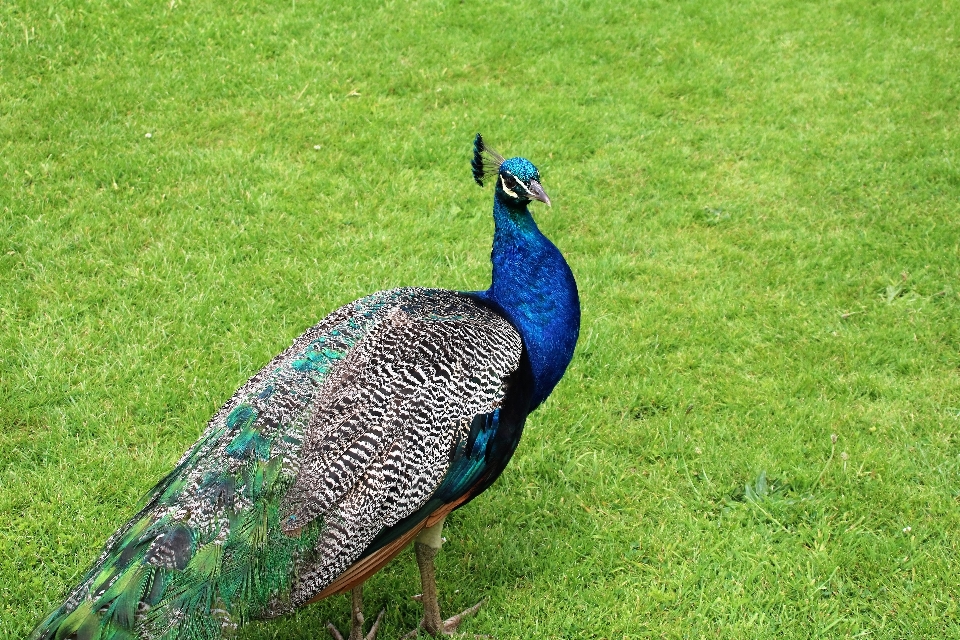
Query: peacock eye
[509,182]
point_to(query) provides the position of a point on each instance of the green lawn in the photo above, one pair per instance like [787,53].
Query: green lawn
[761,203]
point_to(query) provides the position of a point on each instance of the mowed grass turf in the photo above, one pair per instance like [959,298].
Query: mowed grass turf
[757,437]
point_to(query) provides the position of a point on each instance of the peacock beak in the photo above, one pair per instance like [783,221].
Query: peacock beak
[538,193]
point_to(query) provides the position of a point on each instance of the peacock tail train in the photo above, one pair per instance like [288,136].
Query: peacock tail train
[210,549]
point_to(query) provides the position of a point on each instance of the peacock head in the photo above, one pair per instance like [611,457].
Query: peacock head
[518,181]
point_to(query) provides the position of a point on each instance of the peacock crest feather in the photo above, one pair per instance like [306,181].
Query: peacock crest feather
[486,161]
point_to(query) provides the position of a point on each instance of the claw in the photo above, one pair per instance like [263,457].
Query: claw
[372,634]
[450,625]
[334,631]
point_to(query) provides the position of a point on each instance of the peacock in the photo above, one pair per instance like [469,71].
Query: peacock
[357,440]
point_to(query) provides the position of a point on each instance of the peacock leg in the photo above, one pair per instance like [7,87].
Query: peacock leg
[426,547]
[356,619]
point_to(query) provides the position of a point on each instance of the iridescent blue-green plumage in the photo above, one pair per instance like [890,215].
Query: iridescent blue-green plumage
[236,564]
[392,409]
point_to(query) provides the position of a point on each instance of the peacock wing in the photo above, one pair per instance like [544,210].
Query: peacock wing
[388,422]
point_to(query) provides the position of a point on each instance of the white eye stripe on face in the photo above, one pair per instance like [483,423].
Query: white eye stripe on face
[506,189]
[511,193]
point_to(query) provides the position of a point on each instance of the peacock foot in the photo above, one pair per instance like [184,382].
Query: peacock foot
[447,627]
[356,631]
[356,620]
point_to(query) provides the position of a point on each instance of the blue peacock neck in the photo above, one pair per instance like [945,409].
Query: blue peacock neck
[534,287]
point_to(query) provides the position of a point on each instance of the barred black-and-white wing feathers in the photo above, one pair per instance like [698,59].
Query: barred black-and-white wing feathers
[389,421]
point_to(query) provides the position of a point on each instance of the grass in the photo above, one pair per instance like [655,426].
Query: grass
[758,435]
